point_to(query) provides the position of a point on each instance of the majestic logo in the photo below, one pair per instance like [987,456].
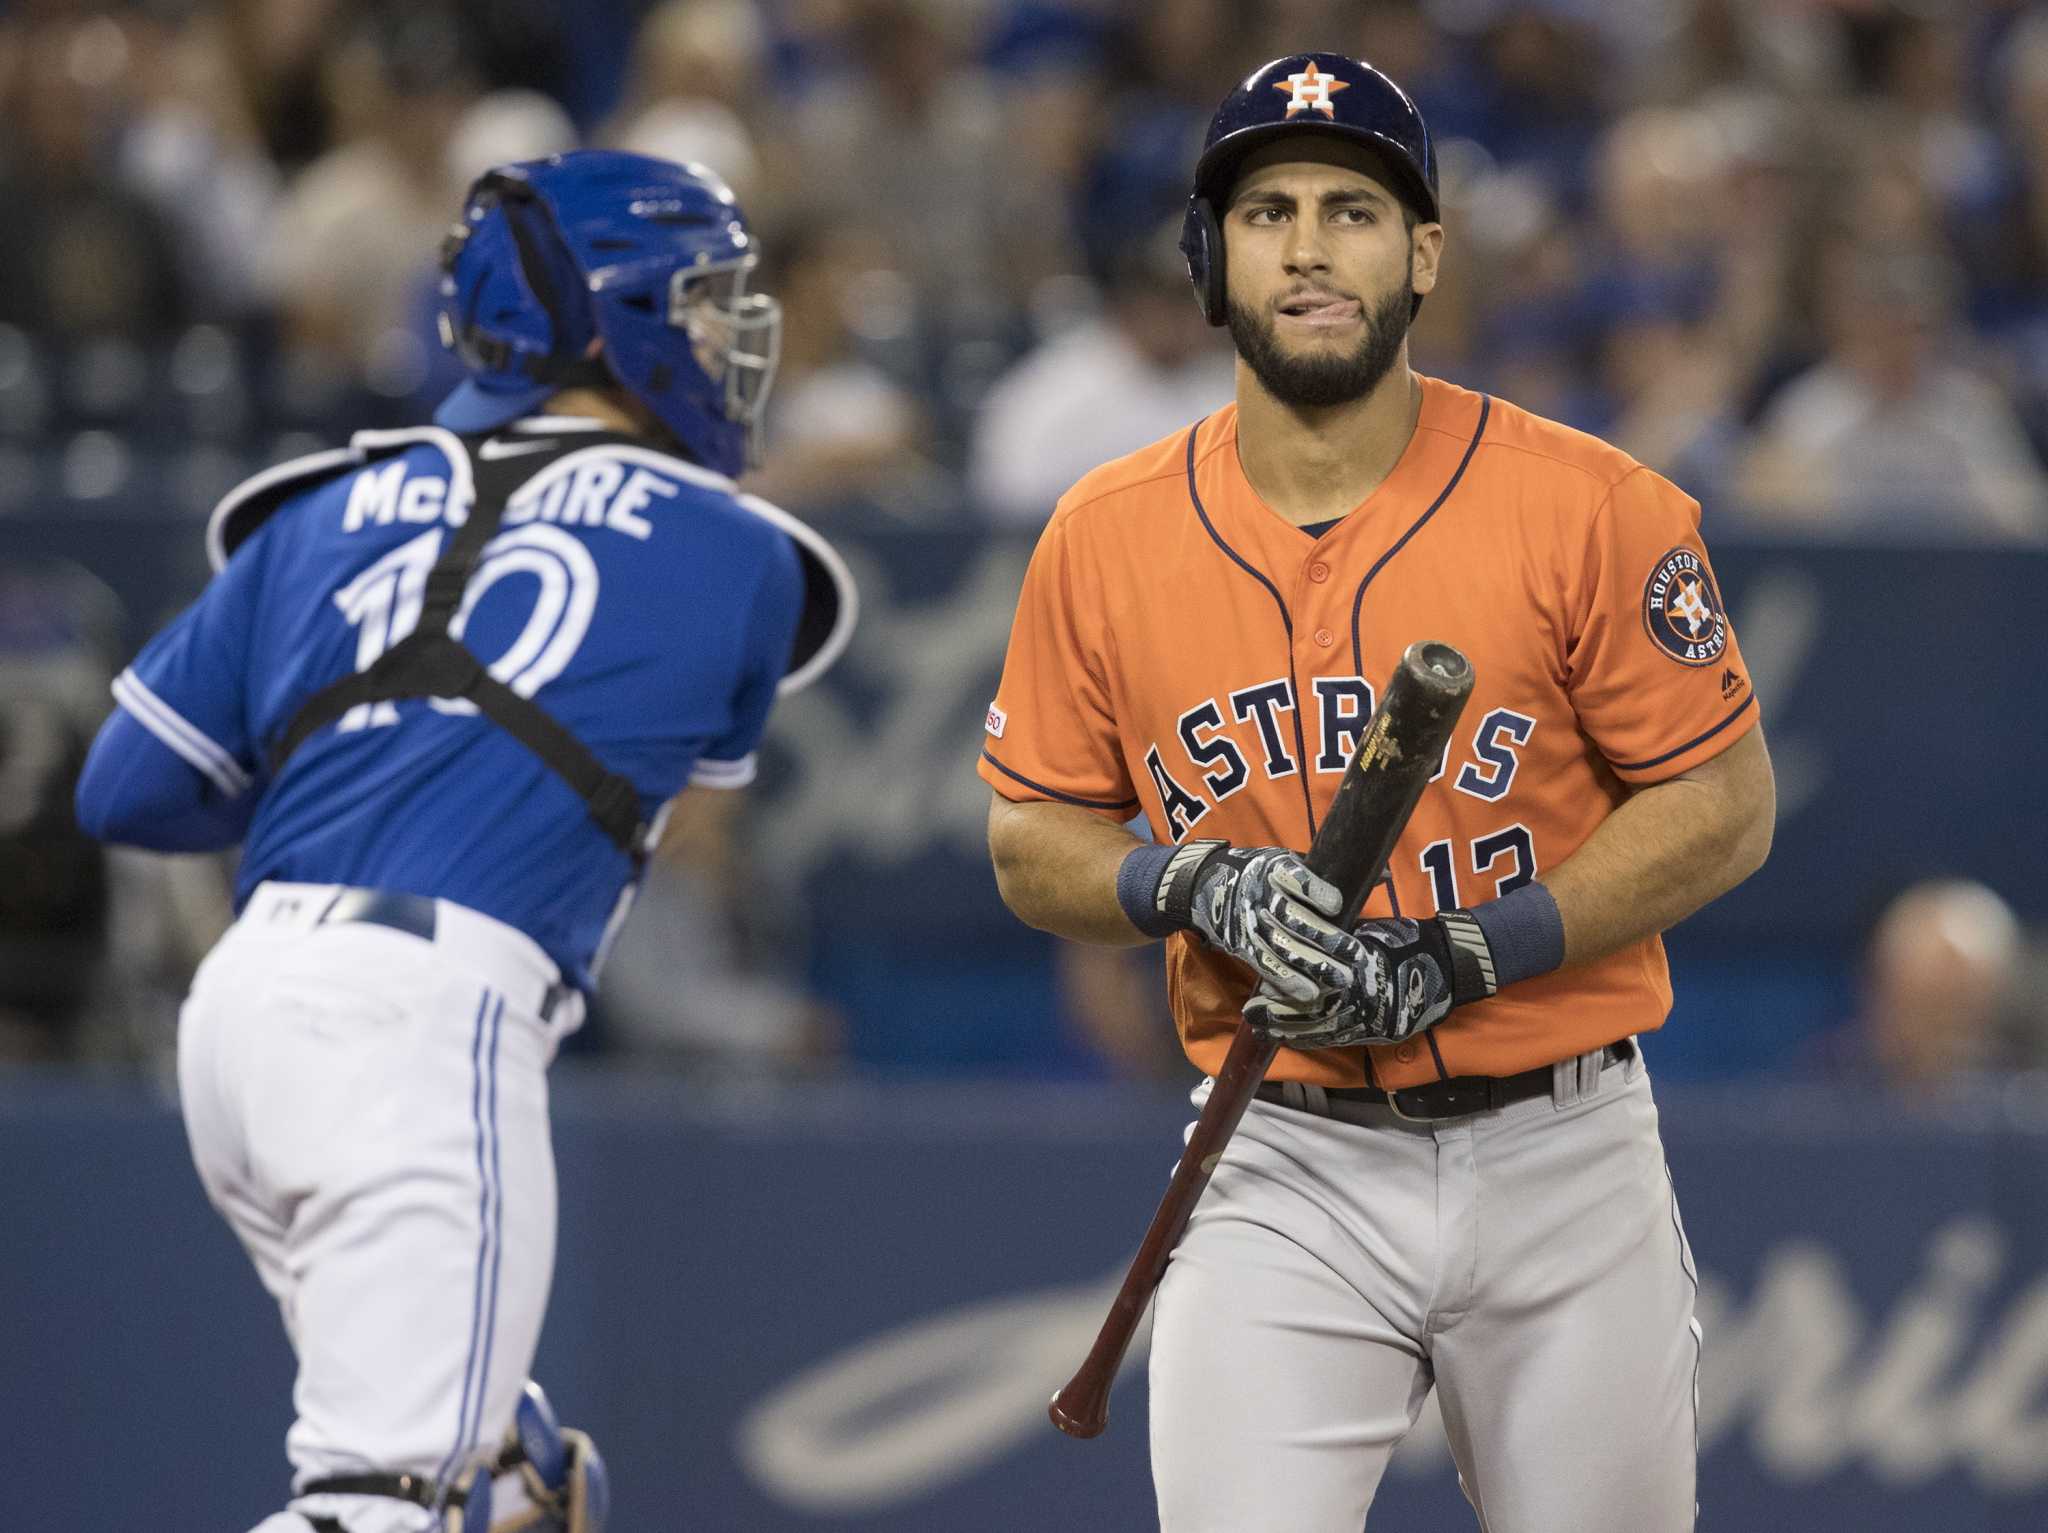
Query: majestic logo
[1731,682]
[1312,91]
[998,721]
[1682,610]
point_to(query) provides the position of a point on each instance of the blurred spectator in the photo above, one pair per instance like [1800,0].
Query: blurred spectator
[1051,100]
[1737,45]
[839,428]
[1146,366]
[279,49]
[68,990]
[1405,40]
[1686,300]
[1919,61]
[360,224]
[1167,63]
[1539,63]
[1890,434]
[2014,301]
[193,149]
[1940,987]
[1184,55]
[1445,339]
[2025,97]
[1510,227]
[706,972]
[504,126]
[1765,219]
[908,140]
[53,902]
[694,81]
[56,625]
[1652,286]
[84,257]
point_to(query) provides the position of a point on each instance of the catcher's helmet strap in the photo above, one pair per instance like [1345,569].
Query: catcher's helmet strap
[563,366]
[490,354]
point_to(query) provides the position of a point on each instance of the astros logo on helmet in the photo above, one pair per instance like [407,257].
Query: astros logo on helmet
[1310,89]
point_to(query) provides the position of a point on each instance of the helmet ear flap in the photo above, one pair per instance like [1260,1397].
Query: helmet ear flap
[1201,242]
[546,270]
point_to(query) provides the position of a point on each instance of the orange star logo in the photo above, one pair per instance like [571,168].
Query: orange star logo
[1312,91]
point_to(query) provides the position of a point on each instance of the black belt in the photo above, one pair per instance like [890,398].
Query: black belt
[409,913]
[419,1489]
[1453,1098]
[416,1488]
[413,914]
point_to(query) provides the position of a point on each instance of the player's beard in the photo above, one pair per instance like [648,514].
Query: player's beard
[1311,382]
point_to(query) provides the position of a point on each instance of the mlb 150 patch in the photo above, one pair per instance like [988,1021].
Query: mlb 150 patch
[1682,610]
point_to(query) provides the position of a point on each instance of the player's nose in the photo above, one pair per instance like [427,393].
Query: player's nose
[1304,253]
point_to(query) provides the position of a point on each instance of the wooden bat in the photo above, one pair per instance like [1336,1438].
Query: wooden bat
[1401,747]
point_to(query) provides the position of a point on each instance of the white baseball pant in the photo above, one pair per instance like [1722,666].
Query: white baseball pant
[367,1107]
[1528,1263]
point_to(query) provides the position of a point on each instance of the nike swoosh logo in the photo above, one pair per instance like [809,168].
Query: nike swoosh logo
[497,449]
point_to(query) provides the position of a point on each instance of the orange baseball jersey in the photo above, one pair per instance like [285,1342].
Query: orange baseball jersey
[1180,649]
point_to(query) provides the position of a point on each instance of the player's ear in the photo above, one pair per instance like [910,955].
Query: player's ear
[1425,251]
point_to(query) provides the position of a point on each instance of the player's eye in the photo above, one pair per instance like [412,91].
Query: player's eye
[1357,215]
[1267,216]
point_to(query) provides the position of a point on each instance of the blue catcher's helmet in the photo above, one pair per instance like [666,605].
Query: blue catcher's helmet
[1306,93]
[599,267]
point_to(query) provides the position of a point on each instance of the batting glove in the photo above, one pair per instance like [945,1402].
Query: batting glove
[1263,907]
[1405,977]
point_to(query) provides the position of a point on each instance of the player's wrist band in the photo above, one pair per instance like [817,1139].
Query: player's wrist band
[1155,885]
[1522,930]
[1468,955]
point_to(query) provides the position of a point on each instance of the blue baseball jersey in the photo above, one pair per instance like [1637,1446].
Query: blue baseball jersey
[634,596]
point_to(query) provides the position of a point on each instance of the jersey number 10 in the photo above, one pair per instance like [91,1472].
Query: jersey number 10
[383,605]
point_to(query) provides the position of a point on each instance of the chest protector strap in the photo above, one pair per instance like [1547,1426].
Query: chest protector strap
[429,663]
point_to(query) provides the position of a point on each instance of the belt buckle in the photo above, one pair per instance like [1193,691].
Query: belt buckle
[1457,1105]
[1394,1102]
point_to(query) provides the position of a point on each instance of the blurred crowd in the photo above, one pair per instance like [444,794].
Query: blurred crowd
[1792,253]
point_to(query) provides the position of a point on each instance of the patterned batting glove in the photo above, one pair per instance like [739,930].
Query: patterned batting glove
[1406,976]
[1265,908]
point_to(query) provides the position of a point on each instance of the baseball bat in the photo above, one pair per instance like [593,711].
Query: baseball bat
[1399,750]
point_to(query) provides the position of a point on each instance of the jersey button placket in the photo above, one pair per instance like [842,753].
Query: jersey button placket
[1324,638]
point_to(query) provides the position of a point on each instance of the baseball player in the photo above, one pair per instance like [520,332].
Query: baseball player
[1452,1177]
[440,688]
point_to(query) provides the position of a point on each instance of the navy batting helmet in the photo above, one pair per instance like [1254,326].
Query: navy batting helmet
[1307,93]
[647,257]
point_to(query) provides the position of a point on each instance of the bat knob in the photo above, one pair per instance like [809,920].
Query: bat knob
[1441,668]
[1086,1425]
[1442,659]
